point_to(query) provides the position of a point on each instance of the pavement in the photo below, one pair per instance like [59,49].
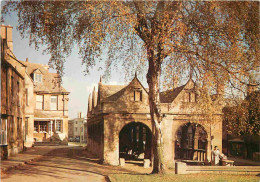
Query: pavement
[25,157]
[61,163]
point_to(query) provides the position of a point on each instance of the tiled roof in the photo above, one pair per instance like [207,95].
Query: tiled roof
[169,95]
[113,92]
[109,90]
[49,80]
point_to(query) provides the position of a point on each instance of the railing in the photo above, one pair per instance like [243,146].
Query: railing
[190,154]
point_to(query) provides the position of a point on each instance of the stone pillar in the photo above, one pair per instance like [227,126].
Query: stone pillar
[38,126]
[208,151]
[51,127]
[111,143]
[54,130]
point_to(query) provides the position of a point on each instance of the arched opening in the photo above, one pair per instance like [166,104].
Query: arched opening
[191,142]
[135,141]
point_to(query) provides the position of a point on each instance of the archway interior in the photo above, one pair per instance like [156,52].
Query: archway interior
[135,142]
[191,142]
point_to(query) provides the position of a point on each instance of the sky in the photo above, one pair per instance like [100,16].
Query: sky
[74,79]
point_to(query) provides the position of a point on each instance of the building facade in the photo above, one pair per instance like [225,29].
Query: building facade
[46,106]
[77,129]
[119,124]
[12,97]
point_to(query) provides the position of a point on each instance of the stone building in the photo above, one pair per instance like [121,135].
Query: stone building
[119,124]
[76,128]
[46,106]
[12,97]
[245,145]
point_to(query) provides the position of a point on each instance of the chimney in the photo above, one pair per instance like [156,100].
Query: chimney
[89,103]
[27,60]
[80,115]
[6,33]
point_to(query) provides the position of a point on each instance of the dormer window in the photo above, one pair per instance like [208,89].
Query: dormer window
[190,96]
[137,95]
[38,77]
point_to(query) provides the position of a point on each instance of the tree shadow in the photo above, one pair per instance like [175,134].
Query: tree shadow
[68,160]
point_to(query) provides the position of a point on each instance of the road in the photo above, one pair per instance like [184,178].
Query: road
[61,164]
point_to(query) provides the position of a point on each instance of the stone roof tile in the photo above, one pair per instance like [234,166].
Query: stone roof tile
[49,80]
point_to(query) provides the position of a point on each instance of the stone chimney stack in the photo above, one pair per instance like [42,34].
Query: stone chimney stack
[94,98]
[80,115]
[7,34]
[27,60]
[89,103]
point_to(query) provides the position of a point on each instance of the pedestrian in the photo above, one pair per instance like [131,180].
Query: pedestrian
[216,154]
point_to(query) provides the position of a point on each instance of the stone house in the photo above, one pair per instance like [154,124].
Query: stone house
[12,97]
[119,125]
[76,128]
[46,106]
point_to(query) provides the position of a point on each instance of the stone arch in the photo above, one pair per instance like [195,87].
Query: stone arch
[191,142]
[135,140]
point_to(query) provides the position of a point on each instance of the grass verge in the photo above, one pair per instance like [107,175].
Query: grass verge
[182,178]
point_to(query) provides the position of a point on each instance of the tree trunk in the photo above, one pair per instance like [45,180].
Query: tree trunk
[153,77]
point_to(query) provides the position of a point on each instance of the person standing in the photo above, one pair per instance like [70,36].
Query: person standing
[216,154]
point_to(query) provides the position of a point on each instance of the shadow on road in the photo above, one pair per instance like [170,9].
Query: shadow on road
[65,163]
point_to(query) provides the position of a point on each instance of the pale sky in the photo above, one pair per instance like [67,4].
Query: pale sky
[74,80]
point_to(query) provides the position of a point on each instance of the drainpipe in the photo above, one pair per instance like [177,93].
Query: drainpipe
[63,105]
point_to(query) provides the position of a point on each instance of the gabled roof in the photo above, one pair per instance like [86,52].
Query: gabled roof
[108,90]
[36,70]
[49,82]
[111,93]
[169,95]
[119,93]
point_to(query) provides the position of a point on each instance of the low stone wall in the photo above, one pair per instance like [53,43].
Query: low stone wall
[182,168]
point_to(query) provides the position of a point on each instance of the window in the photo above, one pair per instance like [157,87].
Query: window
[54,102]
[81,129]
[18,90]
[190,97]
[12,125]
[38,77]
[137,95]
[18,128]
[76,129]
[26,126]
[3,131]
[76,122]
[43,126]
[26,97]
[58,125]
[36,125]
[39,102]
[12,87]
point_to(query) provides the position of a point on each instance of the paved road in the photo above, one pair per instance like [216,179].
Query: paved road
[62,164]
